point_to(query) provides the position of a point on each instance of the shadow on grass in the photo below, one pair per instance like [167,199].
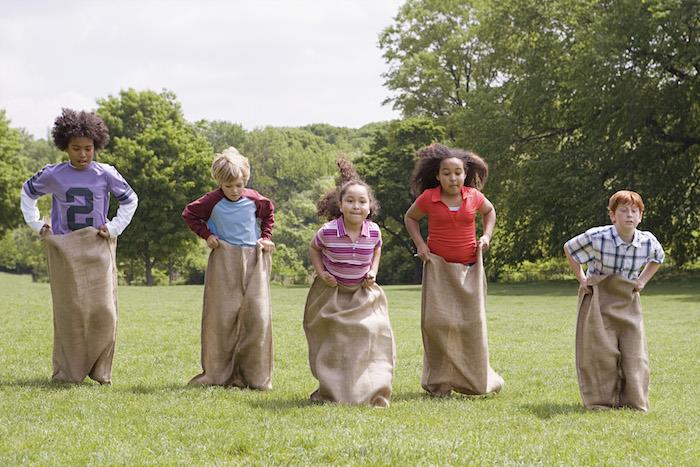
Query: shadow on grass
[424,396]
[283,404]
[148,389]
[547,410]
[43,383]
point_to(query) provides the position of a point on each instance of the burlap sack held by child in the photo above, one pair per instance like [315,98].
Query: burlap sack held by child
[611,353]
[83,276]
[453,323]
[237,319]
[351,344]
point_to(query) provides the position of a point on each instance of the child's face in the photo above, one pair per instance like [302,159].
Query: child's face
[451,175]
[626,217]
[355,205]
[80,152]
[233,189]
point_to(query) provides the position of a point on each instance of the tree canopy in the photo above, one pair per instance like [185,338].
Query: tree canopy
[166,161]
[569,101]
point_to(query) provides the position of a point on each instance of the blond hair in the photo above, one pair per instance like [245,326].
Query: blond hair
[230,165]
[625,197]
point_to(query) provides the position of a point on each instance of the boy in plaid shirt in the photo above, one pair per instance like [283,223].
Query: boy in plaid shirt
[611,355]
[619,248]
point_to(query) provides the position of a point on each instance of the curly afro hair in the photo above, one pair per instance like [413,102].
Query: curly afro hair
[72,124]
[428,165]
[329,205]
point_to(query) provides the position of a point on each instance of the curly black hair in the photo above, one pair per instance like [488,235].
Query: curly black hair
[329,205]
[72,124]
[428,165]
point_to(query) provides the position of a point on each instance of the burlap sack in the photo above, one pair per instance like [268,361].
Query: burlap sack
[453,323]
[237,319]
[611,353]
[351,344]
[83,275]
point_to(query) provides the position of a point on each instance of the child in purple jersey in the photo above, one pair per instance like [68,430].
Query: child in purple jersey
[80,188]
[236,313]
[80,244]
[346,319]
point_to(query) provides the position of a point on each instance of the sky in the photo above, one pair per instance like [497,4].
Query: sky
[252,62]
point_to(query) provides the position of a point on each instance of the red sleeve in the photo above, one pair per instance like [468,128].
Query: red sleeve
[264,210]
[197,213]
[423,201]
[479,199]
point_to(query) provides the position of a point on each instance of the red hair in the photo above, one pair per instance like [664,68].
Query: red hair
[625,197]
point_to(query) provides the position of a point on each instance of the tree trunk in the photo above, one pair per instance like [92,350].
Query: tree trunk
[148,266]
[149,272]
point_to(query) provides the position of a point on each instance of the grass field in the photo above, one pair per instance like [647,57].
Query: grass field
[149,415]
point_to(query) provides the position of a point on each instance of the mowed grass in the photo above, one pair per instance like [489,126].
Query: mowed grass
[150,416]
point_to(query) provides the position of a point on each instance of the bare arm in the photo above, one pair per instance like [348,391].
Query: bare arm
[488,218]
[317,262]
[412,222]
[577,269]
[646,275]
[371,276]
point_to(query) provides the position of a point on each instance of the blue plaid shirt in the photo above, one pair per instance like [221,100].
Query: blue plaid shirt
[602,249]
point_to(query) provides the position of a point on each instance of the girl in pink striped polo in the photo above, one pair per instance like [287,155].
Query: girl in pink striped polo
[351,344]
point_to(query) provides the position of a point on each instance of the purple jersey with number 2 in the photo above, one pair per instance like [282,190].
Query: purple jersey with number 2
[80,198]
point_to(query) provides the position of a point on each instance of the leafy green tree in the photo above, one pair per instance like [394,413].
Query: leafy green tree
[435,57]
[221,134]
[571,101]
[285,161]
[13,172]
[166,161]
[21,252]
[40,152]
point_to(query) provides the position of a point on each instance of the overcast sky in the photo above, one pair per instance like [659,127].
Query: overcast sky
[257,63]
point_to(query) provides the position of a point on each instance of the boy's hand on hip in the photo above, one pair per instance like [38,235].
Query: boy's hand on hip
[103,232]
[213,241]
[583,285]
[639,286]
[369,280]
[266,244]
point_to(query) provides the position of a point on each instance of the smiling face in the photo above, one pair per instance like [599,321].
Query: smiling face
[81,151]
[451,175]
[355,204]
[626,217]
[233,189]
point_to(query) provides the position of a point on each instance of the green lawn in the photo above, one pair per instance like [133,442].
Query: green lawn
[149,415]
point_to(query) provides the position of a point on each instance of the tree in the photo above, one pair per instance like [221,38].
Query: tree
[166,161]
[285,161]
[573,101]
[435,58]
[13,172]
[221,134]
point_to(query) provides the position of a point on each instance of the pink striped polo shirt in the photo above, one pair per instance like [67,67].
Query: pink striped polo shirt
[348,261]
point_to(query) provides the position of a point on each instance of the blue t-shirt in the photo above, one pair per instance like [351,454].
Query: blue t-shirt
[234,222]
